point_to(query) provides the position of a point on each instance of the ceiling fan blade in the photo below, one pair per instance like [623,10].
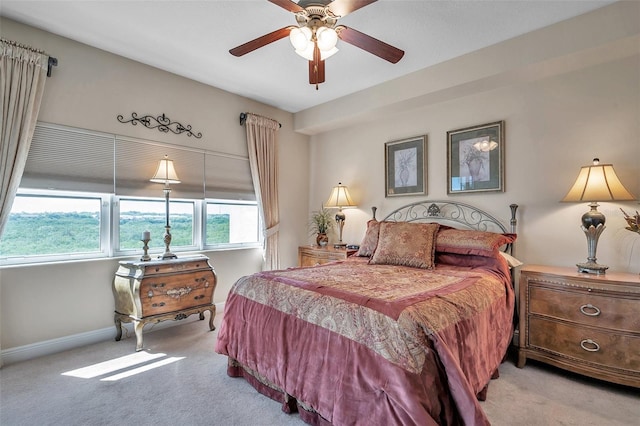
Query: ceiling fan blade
[370,44]
[259,42]
[287,4]
[344,7]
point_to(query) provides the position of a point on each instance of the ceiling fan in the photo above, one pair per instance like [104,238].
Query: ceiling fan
[317,33]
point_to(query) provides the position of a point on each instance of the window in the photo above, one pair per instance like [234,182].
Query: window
[138,215]
[87,194]
[47,226]
[53,226]
[229,223]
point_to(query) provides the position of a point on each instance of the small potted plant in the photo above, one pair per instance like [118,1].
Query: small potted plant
[321,222]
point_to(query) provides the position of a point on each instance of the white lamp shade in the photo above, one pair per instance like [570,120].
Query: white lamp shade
[327,38]
[340,198]
[165,173]
[598,182]
[299,38]
[308,53]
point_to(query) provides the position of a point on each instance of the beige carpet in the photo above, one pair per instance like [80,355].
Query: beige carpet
[179,380]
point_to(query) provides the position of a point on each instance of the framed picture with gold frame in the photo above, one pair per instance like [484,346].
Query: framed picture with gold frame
[475,159]
[405,167]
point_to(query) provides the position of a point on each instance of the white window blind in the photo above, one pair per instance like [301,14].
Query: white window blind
[228,177]
[137,161]
[71,159]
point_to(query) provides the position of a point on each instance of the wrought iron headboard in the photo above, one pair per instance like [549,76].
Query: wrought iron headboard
[452,212]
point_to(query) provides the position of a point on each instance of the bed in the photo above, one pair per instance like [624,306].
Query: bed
[410,330]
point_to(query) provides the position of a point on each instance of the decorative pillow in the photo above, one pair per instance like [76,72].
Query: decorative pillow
[464,241]
[406,244]
[370,240]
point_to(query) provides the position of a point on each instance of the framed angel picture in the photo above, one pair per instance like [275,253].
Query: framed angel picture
[475,159]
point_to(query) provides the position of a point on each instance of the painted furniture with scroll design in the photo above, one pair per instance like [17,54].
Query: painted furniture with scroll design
[159,290]
[585,323]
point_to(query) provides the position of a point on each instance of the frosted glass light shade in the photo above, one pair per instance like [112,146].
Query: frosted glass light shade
[165,173]
[300,38]
[308,53]
[327,38]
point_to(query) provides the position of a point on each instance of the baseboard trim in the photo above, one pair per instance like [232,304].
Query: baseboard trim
[48,347]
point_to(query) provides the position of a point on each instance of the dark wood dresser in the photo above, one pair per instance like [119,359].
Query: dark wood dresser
[585,323]
[158,290]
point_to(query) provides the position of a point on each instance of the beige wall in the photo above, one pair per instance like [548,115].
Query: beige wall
[564,102]
[88,89]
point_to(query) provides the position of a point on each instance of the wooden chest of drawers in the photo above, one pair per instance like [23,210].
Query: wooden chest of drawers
[588,324]
[314,255]
[160,290]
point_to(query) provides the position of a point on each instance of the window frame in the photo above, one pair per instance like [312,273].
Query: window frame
[213,247]
[105,219]
[117,251]
[110,228]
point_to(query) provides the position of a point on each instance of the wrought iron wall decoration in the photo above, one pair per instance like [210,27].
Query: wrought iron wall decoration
[162,123]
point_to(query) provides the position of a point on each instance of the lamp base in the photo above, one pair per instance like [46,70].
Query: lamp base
[592,232]
[167,242]
[592,268]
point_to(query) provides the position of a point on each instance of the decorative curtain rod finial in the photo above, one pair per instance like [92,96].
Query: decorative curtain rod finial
[53,62]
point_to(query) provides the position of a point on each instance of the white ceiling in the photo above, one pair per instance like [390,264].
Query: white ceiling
[193,38]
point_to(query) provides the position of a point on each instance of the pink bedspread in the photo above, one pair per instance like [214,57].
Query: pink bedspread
[352,343]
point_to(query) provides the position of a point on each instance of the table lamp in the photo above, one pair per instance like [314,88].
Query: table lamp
[597,182]
[166,174]
[340,198]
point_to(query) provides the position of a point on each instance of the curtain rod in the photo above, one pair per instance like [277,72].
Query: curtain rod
[243,118]
[52,62]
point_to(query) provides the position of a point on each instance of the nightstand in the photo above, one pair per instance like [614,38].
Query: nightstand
[159,290]
[315,255]
[588,324]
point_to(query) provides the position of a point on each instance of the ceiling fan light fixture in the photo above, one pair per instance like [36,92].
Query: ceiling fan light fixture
[324,54]
[327,38]
[307,52]
[300,38]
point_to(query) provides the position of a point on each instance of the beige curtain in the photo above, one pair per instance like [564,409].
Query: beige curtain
[22,77]
[263,160]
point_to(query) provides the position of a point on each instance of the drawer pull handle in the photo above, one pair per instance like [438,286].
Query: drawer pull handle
[590,310]
[199,297]
[157,305]
[589,345]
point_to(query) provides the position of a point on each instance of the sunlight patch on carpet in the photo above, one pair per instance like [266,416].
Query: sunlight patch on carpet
[121,363]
